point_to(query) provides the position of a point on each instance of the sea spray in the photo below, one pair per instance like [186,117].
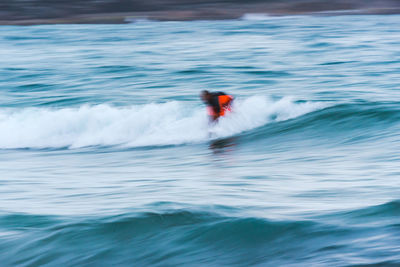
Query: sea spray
[139,125]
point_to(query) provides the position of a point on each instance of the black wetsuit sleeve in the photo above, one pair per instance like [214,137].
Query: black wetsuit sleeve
[214,103]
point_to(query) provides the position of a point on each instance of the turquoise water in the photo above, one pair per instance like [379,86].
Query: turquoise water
[106,159]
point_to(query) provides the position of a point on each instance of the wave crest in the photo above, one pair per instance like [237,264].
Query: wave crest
[168,123]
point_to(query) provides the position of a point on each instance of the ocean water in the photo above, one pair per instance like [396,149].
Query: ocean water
[106,157]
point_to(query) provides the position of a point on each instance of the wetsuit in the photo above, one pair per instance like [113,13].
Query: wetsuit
[218,104]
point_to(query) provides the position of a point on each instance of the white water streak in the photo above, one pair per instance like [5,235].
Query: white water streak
[152,124]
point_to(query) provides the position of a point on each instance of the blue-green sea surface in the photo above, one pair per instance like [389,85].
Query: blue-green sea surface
[106,157]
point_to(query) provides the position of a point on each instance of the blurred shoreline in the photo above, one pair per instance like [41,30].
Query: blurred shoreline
[35,12]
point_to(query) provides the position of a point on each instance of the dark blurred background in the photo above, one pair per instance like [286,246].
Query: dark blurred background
[117,11]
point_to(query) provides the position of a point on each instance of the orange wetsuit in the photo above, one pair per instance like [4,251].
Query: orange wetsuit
[219,104]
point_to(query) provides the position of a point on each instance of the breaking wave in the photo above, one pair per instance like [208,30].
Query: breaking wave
[170,123]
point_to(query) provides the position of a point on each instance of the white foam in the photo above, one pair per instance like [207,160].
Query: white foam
[144,125]
[267,17]
[256,16]
[137,19]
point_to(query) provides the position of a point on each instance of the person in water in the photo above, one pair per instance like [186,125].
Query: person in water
[218,104]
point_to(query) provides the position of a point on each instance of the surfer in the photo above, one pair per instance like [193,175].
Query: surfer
[218,104]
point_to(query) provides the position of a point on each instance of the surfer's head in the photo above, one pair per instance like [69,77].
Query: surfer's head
[205,95]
